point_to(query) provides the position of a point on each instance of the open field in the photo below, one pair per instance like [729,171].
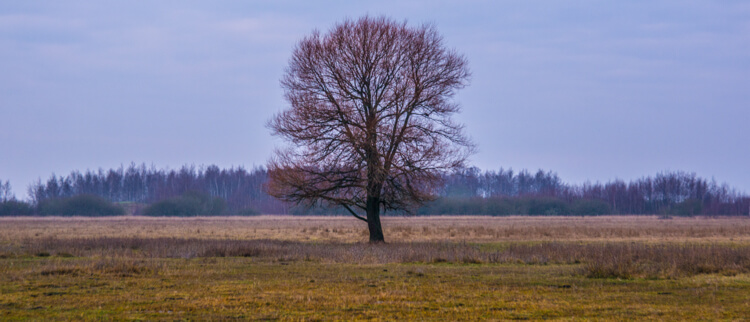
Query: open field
[441,268]
[397,229]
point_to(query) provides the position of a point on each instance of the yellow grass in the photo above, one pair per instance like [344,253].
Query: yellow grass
[397,229]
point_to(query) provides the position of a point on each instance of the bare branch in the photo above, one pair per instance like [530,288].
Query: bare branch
[353,213]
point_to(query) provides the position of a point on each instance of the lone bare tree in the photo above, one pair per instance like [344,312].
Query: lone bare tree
[370,119]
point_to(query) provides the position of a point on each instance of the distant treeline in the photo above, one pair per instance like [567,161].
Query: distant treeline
[238,190]
[471,191]
[192,191]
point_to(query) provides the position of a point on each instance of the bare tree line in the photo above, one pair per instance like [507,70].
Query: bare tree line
[6,193]
[677,192]
[465,191]
[239,187]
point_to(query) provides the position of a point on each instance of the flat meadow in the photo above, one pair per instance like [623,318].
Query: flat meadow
[321,268]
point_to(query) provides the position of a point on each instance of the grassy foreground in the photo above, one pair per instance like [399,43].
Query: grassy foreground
[183,276]
[218,288]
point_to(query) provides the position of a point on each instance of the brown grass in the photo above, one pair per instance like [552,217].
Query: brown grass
[619,247]
[600,260]
[664,261]
[397,229]
[243,288]
[112,267]
[446,268]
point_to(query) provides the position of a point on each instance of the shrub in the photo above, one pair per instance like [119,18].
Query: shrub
[689,207]
[15,208]
[547,207]
[589,207]
[80,205]
[187,205]
[499,207]
[453,206]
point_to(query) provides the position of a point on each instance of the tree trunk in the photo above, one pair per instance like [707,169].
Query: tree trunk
[373,220]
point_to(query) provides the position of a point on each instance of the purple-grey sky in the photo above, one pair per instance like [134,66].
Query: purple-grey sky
[594,90]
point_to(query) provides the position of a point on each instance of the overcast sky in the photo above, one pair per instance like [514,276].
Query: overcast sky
[593,90]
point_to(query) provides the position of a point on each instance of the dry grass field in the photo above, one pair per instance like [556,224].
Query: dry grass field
[397,229]
[320,268]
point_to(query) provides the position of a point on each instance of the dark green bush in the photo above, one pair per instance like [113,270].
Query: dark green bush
[689,207]
[187,205]
[546,207]
[80,205]
[590,207]
[499,207]
[453,206]
[15,208]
